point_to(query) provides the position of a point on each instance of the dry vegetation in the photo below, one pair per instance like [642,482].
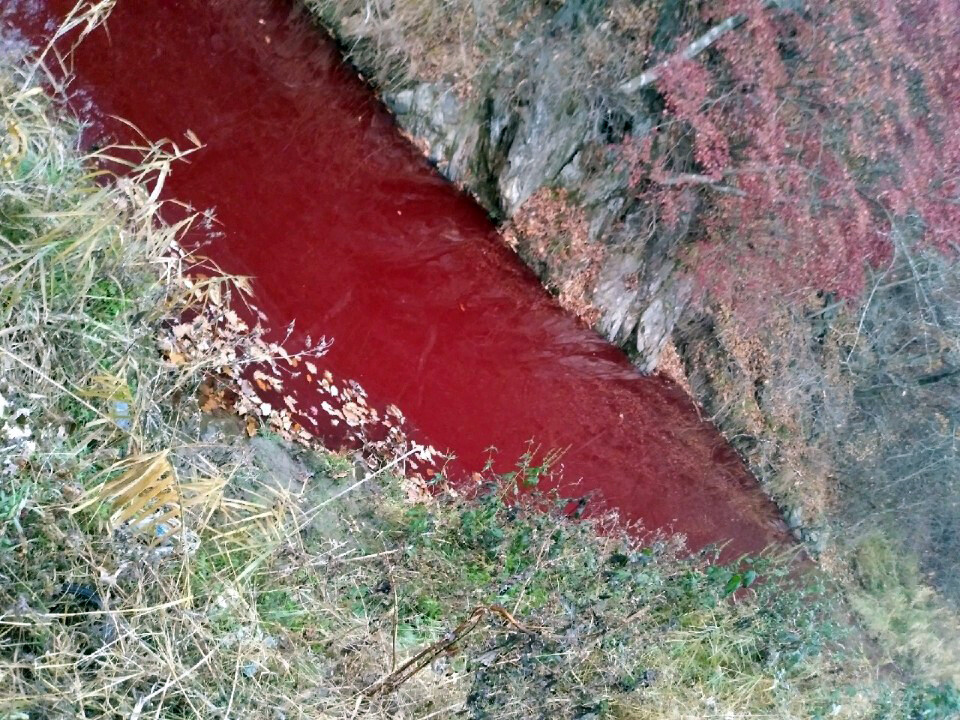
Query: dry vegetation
[448,39]
[397,41]
[158,563]
[548,230]
[841,417]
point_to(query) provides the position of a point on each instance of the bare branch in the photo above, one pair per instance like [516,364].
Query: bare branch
[648,77]
[697,179]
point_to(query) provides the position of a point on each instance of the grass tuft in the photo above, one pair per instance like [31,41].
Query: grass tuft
[916,627]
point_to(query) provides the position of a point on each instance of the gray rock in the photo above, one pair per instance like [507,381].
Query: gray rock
[401,103]
[794,517]
[552,128]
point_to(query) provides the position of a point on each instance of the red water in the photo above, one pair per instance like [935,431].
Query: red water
[349,232]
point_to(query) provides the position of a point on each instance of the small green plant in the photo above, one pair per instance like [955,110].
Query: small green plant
[931,702]
[279,607]
[106,300]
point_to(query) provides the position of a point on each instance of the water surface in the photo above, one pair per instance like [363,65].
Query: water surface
[349,233]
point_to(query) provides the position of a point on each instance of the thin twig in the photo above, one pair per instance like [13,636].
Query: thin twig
[411,667]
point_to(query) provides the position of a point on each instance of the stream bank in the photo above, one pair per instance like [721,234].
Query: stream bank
[289,590]
[537,110]
[348,234]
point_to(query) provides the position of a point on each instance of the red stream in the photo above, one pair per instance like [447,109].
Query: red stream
[348,231]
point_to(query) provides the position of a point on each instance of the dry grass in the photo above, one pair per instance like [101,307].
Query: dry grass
[551,234]
[154,567]
[423,40]
[398,42]
[77,256]
[912,623]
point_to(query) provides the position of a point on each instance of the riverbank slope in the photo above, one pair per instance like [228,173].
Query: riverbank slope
[619,148]
[160,557]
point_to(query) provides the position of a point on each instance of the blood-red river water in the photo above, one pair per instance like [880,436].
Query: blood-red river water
[350,233]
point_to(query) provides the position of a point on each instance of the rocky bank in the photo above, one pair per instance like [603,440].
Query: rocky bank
[533,108]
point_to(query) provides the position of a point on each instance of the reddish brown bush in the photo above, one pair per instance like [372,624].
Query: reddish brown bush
[824,138]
